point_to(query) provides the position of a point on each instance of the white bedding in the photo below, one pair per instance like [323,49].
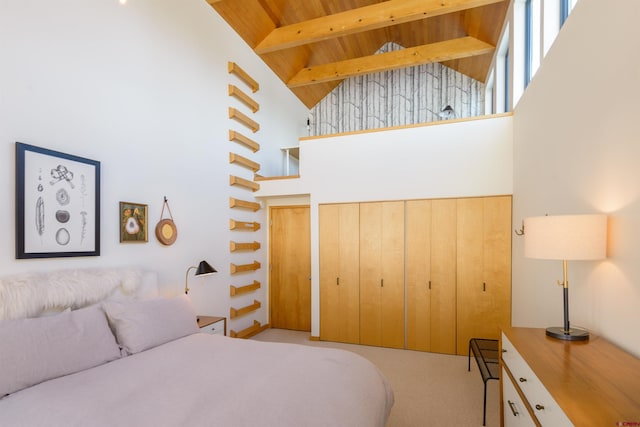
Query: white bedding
[211,380]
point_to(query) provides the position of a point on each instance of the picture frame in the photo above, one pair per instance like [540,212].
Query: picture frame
[57,204]
[134,224]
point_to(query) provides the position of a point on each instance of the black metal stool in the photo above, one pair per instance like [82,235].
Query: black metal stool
[485,352]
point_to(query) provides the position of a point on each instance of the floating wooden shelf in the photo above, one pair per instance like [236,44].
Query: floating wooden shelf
[243,161]
[234,68]
[236,180]
[244,267]
[248,332]
[244,98]
[257,177]
[235,312]
[241,290]
[244,119]
[247,142]
[237,203]
[243,225]
[249,246]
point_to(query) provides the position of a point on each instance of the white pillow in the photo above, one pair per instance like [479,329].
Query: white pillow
[143,324]
[40,349]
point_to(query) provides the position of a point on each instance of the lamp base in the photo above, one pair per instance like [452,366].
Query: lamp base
[573,334]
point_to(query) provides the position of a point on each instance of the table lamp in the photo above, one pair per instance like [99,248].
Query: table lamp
[566,237]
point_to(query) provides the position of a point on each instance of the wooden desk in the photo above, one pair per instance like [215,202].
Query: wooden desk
[594,382]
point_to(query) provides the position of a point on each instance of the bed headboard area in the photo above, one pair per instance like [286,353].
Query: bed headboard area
[37,294]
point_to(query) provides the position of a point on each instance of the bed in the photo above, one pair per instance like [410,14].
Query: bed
[140,361]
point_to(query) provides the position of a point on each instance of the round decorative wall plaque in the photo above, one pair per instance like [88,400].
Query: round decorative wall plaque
[166,231]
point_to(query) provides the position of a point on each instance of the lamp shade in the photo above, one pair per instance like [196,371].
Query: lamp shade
[204,268]
[566,237]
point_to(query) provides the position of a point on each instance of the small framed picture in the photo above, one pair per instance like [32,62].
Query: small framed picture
[133,223]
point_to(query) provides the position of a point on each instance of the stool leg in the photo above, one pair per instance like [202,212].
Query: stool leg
[484,411]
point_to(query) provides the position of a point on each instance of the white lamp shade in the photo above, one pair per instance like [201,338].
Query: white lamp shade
[566,237]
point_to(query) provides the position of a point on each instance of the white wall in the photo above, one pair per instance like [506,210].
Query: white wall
[141,87]
[576,150]
[452,159]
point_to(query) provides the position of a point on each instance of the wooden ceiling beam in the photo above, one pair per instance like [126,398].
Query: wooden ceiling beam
[462,47]
[379,15]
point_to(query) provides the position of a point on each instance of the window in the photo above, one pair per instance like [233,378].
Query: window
[506,81]
[501,76]
[532,38]
[565,9]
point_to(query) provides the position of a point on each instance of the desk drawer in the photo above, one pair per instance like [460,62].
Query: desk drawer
[214,328]
[515,412]
[543,405]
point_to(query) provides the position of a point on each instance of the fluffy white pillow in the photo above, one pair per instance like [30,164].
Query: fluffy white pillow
[40,349]
[140,325]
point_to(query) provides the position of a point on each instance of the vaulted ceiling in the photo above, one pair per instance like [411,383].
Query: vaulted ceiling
[312,45]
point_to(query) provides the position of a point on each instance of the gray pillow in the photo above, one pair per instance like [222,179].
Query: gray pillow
[40,349]
[143,324]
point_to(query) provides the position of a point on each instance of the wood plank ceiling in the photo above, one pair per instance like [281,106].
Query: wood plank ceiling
[312,45]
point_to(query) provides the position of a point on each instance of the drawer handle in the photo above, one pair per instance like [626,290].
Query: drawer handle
[539,407]
[513,408]
[504,350]
[522,380]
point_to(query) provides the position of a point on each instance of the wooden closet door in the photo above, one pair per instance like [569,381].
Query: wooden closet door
[443,276]
[484,268]
[418,246]
[431,275]
[497,265]
[339,273]
[393,305]
[382,274]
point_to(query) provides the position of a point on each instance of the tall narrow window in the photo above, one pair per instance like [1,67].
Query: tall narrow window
[532,38]
[506,82]
[528,40]
[565,9]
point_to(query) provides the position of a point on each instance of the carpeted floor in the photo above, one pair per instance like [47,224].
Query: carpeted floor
[430,389]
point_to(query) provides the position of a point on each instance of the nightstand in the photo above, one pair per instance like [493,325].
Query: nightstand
[212,325]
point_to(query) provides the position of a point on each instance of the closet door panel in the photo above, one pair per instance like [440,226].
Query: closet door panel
[484,268]
[418,253]
[382,274]
[443,276]
[370,273]
[339,272]
[470,257]
[497,265]
[392,279]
